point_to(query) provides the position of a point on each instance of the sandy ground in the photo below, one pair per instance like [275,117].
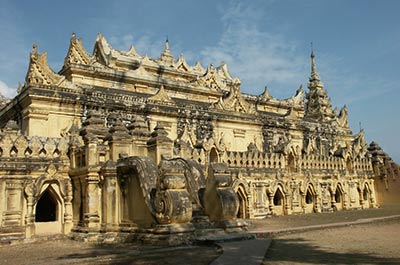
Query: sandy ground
[375,243]
[72,252]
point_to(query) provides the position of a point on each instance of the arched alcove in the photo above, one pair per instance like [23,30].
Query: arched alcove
[291,162]
[213,155]
[309,197]
[366,197]
[339,198]
[243,212]
[309,200]
[349,166]
[279,202]
[278,198]
[46,207]
[49,211]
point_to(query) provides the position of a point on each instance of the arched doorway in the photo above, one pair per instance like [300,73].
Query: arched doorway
[242,213]
[349,166]
[309,200]
[366,197]
[279,202]
[339,198]
[213,155]
[46,208]
[48,212]
[291,163]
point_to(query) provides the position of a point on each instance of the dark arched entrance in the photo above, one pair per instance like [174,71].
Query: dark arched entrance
[213,155]
[279,202]
[366,197]
[309,200]
[46,208]
[242,213]
[291,163]
[339,198]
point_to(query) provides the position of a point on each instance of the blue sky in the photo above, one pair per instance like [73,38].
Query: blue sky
[264,43]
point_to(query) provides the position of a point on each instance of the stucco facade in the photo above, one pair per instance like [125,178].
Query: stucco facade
[120,145]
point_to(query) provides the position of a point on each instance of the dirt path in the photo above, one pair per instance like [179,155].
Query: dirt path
[375,243]
[72,252]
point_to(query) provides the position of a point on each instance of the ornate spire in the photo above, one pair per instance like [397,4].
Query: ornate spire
[318,104]
[314,73]
[166,56]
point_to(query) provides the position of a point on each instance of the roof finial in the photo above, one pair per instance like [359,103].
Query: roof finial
[314,73]
[34,49]
[166,56]
[312,49]
[166,44]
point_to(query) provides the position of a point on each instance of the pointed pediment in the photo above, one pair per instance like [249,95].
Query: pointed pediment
[102,49]
[223,71]
[181,64]
[235,101]
[147,61]
[141,71]
[162,96]
[266,95]
[77,53]
[198,68]
[297,99]
[211,79]
[39,71]
[132,51]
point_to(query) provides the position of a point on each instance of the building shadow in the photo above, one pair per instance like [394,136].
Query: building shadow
[132,254]
[299,251]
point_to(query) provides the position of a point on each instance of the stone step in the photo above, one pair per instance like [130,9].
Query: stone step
[213,238]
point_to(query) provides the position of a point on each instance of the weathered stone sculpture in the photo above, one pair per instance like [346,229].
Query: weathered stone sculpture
[220,200]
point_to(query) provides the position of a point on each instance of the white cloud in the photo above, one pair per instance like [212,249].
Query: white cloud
[6,90]
[256,56]
[145,44]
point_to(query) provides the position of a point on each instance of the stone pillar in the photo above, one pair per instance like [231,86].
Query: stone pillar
[271,203]
[159,145]
[93,203]
[30,216]
[110,198]
[287,203]
[68,222]
[345,201]
[333,201]
[260,203]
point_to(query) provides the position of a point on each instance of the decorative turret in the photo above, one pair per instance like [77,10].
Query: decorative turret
[318,104]
[93,127]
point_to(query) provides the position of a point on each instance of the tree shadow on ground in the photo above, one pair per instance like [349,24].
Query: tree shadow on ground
[126,254]
[298,251]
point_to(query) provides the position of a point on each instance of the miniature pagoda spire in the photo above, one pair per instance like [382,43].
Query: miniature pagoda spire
[314,73]
[166,56]
[318,104]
